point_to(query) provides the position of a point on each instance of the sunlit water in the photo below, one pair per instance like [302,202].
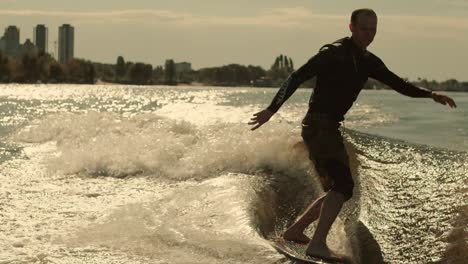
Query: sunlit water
[124,174]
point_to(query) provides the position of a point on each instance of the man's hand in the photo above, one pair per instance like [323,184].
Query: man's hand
[442,99]
[260,118]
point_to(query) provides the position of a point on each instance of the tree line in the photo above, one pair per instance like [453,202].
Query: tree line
[43,68]
[227,75]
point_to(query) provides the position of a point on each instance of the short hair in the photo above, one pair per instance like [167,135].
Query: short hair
[364,11]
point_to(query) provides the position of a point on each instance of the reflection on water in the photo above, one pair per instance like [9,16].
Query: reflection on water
[121,174]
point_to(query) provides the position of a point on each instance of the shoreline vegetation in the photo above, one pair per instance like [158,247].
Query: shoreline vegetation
[43,68]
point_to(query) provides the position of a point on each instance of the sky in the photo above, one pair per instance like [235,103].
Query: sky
[416,39]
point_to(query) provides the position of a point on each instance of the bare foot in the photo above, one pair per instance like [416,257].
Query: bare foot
[297,237]
[323,252]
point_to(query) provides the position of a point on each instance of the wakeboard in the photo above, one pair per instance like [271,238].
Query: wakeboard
[296,252]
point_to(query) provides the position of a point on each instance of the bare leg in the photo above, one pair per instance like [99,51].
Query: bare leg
[296,231]
[331,206]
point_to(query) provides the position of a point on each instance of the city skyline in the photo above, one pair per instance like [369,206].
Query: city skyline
[11,44]
[418,39]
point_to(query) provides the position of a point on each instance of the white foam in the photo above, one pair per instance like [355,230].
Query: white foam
[113,145]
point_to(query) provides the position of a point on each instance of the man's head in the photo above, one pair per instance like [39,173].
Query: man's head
[363,26]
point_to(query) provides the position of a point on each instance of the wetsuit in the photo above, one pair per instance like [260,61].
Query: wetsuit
[341,69]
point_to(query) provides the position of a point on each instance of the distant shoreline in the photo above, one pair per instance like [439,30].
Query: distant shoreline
[192,85]
[37,68]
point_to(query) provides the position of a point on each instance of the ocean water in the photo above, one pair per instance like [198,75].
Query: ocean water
[129,174]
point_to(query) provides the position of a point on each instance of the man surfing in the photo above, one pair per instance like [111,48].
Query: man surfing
[342,68]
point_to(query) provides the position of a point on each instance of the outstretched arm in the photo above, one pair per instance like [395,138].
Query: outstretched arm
[383,74]
[290,85]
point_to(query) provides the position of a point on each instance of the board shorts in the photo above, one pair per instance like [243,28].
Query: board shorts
[327,151]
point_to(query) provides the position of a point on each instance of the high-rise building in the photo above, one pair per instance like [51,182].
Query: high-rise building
[2,44]
[28,48]
[182,67]
[11,38]
[66,43]
[41,38]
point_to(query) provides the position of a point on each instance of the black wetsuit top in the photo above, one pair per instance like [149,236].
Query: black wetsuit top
[342,69]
